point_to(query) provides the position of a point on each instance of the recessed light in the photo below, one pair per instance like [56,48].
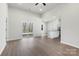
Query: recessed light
[40,9]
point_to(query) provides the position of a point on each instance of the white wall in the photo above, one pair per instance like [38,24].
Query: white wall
[16,17]
[3,16]
[69,15]
[70,22]
[53,25]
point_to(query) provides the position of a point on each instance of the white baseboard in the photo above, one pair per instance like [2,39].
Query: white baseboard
[2,48]
[13,40]
[70,44]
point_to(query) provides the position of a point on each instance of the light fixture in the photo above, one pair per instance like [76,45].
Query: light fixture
[40,9]
[44,4]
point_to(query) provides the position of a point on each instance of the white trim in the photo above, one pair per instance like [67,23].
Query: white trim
[13,39]
[70,44]
[28,33]
[2,49]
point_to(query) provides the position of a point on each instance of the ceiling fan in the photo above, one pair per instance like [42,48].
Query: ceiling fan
[44,4]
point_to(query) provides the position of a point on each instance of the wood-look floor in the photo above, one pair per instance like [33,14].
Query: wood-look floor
[39,47]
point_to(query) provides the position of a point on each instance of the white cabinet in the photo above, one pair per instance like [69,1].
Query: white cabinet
[53,34]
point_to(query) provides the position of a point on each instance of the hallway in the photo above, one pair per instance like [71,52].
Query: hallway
[38,47]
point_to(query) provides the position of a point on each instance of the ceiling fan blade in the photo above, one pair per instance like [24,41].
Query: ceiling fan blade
[36,3]
[44,4]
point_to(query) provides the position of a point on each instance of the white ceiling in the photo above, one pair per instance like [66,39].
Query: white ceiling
[32,8]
